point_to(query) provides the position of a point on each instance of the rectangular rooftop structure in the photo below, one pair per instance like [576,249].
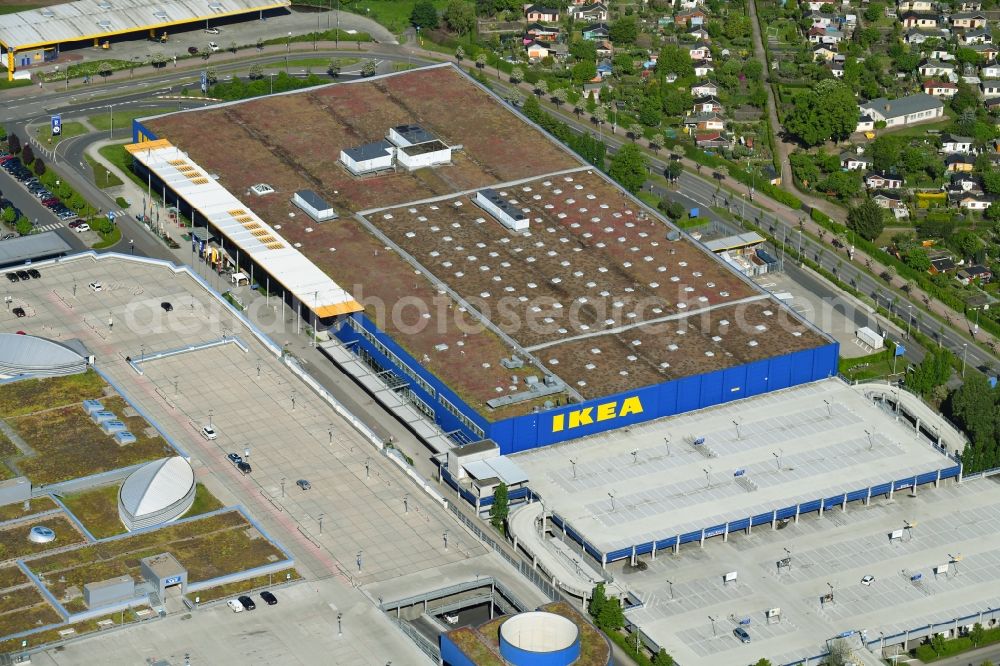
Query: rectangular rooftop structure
[32,248]
[419,155]
[243,228]
[506,213]
[737,242]
[369,157]
[314,205]
[408,135]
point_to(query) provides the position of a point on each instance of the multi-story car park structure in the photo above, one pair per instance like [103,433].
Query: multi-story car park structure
[596,316]
[38,35]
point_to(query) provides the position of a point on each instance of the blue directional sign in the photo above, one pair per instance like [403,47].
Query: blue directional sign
[111,216]
[847,634]
[204,81]
[915,577]
[900,350]
[56,125]
[699,441]
[739,472]
[745,621]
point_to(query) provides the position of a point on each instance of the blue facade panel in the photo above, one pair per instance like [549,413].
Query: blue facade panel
[520,657]
[857,495]
[691,536]
[711,388]
[740,524]
[621,554]
[666,543]
[141,133]
[833,502]
[881,489]
[950,472]
[762,518]
[644,548]
[787,512]
[806,507]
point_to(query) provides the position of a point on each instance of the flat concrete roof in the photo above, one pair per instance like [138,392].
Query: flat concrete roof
[791,446]
[97,19]
[839,549]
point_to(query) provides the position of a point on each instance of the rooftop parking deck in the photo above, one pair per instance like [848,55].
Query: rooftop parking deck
[686,473]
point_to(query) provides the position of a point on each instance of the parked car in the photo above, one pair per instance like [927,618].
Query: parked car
[19,312]
[247,602]
[303,484]
[8,237]
[235,458]
[33,272]
[193,50]
[24,275]
[95,287]
[12,276]
[213,47]
[80,228]
[244,467]
[741,634]
[868,580]
[235,605]
[208,432]
[268,598]
[167,307]
[212,31]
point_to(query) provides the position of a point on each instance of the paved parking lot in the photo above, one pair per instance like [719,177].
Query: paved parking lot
[254,401]
[301,629]
[676,475]
[683,593]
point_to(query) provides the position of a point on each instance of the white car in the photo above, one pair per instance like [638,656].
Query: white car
[95,287]
[235,605]
[213,46]
[80,228]
[208,432]
[212,31]
[868,580]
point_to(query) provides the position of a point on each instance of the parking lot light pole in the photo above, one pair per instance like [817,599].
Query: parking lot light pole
[829,408]
[965,351]
[175,385]
[713,625]
[329,431]
[340,627]
[321,522]
[210,418]
[612,496]
[368,461]
[282,486]
[671,584]
[445,537]
[635,456]
[359,560]
[573,463]
[871,442]
[406,503]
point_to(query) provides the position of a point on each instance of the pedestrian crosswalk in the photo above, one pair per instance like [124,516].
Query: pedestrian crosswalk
[49,227]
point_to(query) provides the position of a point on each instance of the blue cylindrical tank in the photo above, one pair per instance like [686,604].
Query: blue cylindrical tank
[539,639]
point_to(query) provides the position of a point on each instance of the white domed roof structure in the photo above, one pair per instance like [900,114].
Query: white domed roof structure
[37,357]
[156,493]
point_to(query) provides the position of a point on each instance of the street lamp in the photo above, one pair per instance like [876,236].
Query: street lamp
[573,463]
[871,442]
[777,458]
[965,351]
[671,584]
[340,629]
[612,496]
[321,522]
[635,456]
[282,486]
[406,503]
[210,418]
[708,476]
[829,408]
[909,319]
[445,537]
[738,434]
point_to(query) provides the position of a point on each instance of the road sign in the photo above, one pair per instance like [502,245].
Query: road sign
[900,350]
[739,472]
[56,125]
[731,576]
[699,441]
[111,216]
[916,577]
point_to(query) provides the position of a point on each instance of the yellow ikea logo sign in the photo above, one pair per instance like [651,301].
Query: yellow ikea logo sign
[589,415]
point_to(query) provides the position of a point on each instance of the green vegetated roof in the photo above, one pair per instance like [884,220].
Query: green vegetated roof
[594,648]
[475,647]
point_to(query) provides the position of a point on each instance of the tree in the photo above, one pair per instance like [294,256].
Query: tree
[481,61]
[623,31]
[649,111]
[459,53]
[500,507]
[917,259]
[14,144]
[23,226]
[424,15]
[369,68]
[104,68]
[973,406]
[579,106]
[9,216]
[559,96]
[39,167]
[673,170]
[542,87]
[612,618]
[628,167]
[673,209]
[516,75]
[827,111]
[211,76]
[937,643]
[257,72]
[27,155]
[636,131]
[763,662]
[584,71]
[460,17]
[867,220]
[977,634]
[601,115]
[661,658]
[598,600]
[886,152]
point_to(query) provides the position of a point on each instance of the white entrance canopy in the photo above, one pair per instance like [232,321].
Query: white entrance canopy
[243,228]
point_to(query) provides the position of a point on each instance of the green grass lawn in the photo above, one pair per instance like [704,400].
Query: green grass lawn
[13,9]
[317,64]
[32,395]
[118,156]
[123,119]
[102,177]
[204,502]
[393,14]
[69,130]
[97,509]
[18,83]
[244,586]
[109,239]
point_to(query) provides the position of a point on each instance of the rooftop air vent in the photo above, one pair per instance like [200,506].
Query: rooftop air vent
[160,14]
[104,5]
[47,13]
[104,25]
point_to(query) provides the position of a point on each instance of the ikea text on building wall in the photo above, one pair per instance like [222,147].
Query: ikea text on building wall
[606,411]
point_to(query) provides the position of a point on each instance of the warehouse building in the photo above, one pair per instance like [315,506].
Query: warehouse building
[38,36]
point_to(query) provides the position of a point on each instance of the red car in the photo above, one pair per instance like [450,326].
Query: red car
[51,201]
